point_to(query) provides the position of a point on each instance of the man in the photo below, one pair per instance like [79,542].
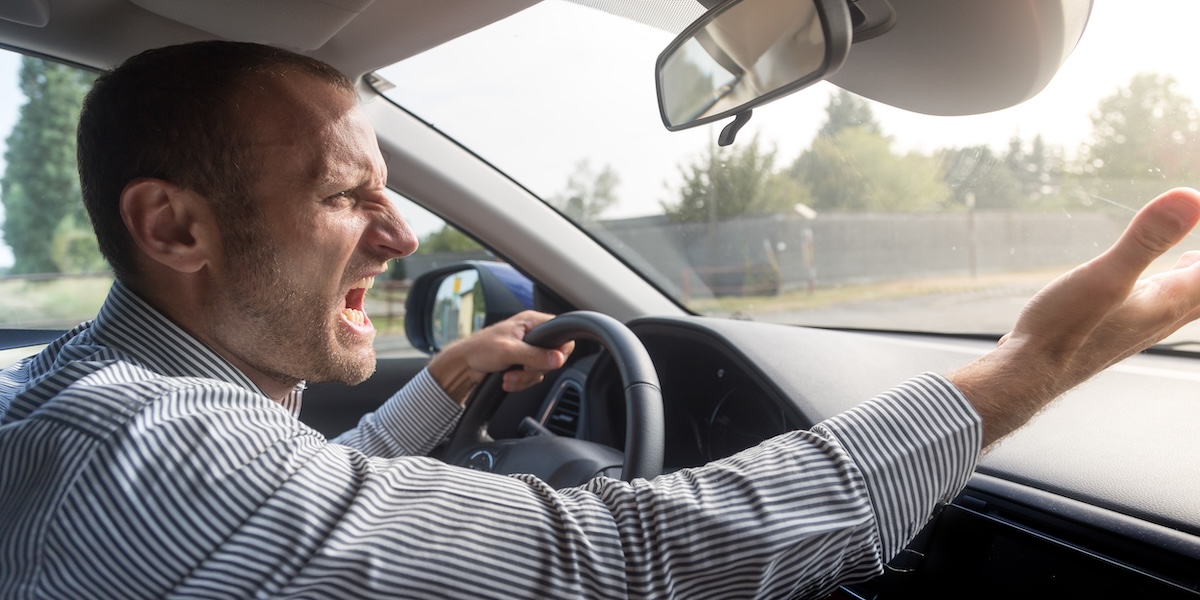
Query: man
[237,191]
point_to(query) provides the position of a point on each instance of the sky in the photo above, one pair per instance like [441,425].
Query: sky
[537,136]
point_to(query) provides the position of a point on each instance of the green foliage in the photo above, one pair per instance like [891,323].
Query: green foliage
[45,221]
[846,110]
[73,247]
[448,239]
[55,304]
[856,170]
[1145,138]
[1145,127]
[977,175]
[734,181]
[588,193]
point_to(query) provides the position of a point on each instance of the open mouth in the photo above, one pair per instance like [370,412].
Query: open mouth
[354,311]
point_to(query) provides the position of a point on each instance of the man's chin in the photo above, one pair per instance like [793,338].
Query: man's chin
[359,377]
[352,368]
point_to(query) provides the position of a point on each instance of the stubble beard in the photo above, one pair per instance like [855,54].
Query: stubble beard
[286,329]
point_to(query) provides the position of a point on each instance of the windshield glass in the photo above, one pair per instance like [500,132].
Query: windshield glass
[829,209]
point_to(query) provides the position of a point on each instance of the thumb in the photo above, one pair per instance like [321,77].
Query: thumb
[1161,224]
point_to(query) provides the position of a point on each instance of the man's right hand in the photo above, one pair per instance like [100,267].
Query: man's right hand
[1090,318]
[462,365]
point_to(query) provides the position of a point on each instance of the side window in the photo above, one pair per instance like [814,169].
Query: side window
[51,273]
[441,244]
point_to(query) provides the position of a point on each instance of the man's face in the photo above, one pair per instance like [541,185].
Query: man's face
[294,298]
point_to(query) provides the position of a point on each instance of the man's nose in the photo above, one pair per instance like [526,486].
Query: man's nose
[390,234]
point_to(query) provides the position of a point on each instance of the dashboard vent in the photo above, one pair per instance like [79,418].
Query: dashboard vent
[563,418]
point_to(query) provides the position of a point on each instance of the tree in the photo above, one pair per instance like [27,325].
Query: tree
[1145,137]
[448,239]
[977,172]
[734,181]
[588,194]
[1039,172]
[855,170]
[40,186]
[846,110]
[73,248]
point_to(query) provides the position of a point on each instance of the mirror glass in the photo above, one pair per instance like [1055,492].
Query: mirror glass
[747,52]
[458,308]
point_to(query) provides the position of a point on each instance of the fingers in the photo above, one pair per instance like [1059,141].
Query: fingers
[1090,318]
[519,379]
[1155,229]
[526,355]
[533,361]
[1188,259]
[532,372]
[1065,312]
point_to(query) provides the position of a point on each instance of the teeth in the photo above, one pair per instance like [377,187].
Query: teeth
[366,282]
[357,317]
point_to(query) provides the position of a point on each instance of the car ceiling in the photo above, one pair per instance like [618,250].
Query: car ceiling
[943,57]
[102,33]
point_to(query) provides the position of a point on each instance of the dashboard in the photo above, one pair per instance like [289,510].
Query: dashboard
[1098,494]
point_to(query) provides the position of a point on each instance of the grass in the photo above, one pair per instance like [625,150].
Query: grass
[51,304]
[67,301]
[801,300]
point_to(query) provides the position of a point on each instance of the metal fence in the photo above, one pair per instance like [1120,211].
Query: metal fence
[776,253]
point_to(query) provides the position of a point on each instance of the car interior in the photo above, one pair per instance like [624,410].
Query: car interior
[1098,497]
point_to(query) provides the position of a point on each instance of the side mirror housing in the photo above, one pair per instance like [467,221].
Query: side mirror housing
[451,302]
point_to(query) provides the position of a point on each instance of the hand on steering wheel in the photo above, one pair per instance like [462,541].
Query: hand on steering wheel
[564,461]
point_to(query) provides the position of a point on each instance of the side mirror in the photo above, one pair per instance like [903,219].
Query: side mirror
[451,302]
[744,53]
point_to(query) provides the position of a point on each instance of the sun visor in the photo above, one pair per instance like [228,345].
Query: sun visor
[955,57]
[35,13]
[295,24]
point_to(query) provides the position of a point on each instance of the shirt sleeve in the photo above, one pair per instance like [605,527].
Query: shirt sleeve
[194,507]
[410,423]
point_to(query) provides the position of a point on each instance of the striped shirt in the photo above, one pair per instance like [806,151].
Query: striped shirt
[137,463]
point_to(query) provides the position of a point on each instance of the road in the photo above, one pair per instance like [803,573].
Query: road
[989,311]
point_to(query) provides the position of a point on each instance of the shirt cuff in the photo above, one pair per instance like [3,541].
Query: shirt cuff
[916,446]
[419,415]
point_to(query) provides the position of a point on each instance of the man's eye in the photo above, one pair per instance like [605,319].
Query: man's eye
[340,199]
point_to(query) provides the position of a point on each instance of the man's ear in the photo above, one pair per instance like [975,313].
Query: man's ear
[173,226]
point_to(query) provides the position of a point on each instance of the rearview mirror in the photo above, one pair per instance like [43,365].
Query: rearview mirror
[451,302]
[744,53]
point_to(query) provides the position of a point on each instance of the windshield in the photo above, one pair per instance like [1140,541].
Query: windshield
[829,209]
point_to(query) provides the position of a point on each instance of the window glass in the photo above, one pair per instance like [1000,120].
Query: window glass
[830,209]
[441,244]
[52,275]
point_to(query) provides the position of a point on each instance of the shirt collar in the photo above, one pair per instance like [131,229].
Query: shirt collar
[127,323]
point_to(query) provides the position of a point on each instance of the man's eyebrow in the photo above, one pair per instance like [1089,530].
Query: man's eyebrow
[323,172]
[343,176]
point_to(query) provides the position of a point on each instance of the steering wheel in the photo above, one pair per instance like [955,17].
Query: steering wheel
[563,461]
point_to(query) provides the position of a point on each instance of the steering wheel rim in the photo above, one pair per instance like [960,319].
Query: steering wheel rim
[644,421]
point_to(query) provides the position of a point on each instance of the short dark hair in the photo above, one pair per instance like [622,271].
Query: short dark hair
[173,113]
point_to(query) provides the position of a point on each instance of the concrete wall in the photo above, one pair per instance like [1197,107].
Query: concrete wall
[855,248]
[769,254]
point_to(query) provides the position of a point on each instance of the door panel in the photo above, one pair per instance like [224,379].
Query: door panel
[332,408]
